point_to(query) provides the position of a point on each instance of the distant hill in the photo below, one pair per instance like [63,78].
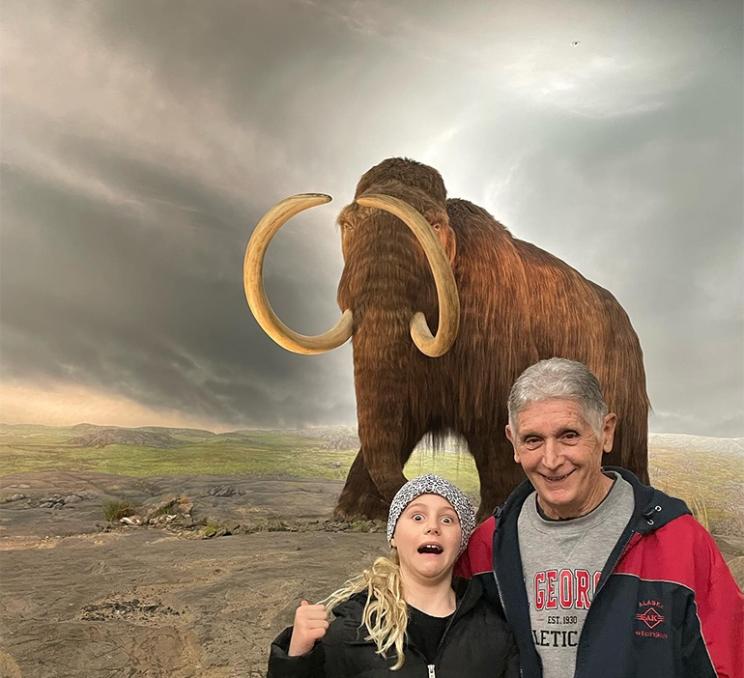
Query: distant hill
[100,437]
[340,437]
[94,435]
[334,437]
[89,428]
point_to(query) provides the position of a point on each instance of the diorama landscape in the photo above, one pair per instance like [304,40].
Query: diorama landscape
[181,552]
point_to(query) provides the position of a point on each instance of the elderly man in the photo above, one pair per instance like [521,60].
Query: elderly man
[598,574]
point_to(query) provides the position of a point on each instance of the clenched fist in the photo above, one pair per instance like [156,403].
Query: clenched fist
[310,624]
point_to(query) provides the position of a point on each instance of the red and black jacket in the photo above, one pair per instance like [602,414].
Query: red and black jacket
[666,604]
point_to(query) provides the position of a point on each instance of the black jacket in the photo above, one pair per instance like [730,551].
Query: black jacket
[477,642]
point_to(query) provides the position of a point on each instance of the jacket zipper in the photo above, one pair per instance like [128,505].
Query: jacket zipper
[632,534]
[596,593]
[498,587]
[432,667]
[503,607]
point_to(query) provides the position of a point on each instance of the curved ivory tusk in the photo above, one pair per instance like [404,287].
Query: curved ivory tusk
[449,301]
[265,230]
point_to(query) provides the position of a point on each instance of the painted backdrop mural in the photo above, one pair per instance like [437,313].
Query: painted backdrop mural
[142,143]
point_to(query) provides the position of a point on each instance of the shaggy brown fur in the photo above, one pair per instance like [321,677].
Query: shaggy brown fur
[518,304]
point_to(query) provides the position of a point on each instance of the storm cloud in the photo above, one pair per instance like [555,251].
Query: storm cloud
[141,142]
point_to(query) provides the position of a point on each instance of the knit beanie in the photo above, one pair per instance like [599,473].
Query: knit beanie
[433,484]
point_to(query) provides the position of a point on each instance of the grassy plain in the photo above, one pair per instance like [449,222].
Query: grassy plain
[709,481]
[274,454]
[255,453]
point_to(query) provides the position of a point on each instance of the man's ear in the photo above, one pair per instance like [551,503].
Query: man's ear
[608,432]
[510,437]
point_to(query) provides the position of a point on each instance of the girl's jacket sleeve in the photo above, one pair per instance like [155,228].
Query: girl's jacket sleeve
[281,665]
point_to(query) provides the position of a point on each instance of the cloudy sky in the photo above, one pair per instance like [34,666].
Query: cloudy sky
[142,141]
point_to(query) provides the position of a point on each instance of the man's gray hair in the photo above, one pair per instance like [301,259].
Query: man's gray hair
[559,378]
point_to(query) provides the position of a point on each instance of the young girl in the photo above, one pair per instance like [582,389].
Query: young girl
[402,615]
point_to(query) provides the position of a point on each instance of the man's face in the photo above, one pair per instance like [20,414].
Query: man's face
[562,455]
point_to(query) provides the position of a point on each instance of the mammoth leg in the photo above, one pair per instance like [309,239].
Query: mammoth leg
[360,497]
[498,472]
[383,424]
[383,455]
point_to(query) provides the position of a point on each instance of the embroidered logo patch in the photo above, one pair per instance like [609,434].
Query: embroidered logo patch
[651,615]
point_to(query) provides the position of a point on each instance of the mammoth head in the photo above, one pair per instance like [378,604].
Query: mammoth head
[418,185]
[402,191]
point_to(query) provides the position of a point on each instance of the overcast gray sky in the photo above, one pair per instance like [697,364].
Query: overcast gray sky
[141,142]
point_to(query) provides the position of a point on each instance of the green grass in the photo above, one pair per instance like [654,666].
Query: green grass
[457,467]
[201,459]
[255,453]
[275,458]
[709,482]
[113,511]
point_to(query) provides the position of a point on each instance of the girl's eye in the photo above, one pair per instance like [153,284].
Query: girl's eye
[448,520]
[418,517]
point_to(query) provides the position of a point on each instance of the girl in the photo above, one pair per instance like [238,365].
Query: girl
[402,615]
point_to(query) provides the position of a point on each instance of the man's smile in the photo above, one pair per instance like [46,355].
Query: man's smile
[557,478]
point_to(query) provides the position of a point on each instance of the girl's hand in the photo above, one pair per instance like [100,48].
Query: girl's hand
[310,624]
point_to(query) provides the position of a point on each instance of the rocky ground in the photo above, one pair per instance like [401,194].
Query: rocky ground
[78,598]
[208,571]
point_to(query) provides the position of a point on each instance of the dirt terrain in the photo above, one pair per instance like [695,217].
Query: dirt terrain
[78,598]
[146,601]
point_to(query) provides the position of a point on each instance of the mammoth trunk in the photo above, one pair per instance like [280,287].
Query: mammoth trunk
[385,281]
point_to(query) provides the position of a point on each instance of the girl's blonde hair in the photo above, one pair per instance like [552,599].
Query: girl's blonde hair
[385,613]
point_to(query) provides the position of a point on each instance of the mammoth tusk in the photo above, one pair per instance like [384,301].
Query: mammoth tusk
[265,230]
[449,301]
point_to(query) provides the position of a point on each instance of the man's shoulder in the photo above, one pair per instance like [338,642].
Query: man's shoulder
[686,532]
[680,551]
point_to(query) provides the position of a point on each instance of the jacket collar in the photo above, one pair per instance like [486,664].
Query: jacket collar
[353,608]
[650,504]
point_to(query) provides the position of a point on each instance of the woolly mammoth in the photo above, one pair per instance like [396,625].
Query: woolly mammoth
[415,260]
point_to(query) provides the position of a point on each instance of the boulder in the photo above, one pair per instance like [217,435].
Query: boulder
[134,520]
[12,497]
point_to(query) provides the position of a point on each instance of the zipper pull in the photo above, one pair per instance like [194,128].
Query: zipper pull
[432,672]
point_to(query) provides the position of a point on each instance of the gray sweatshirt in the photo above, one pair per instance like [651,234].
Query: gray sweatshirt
[561,563]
